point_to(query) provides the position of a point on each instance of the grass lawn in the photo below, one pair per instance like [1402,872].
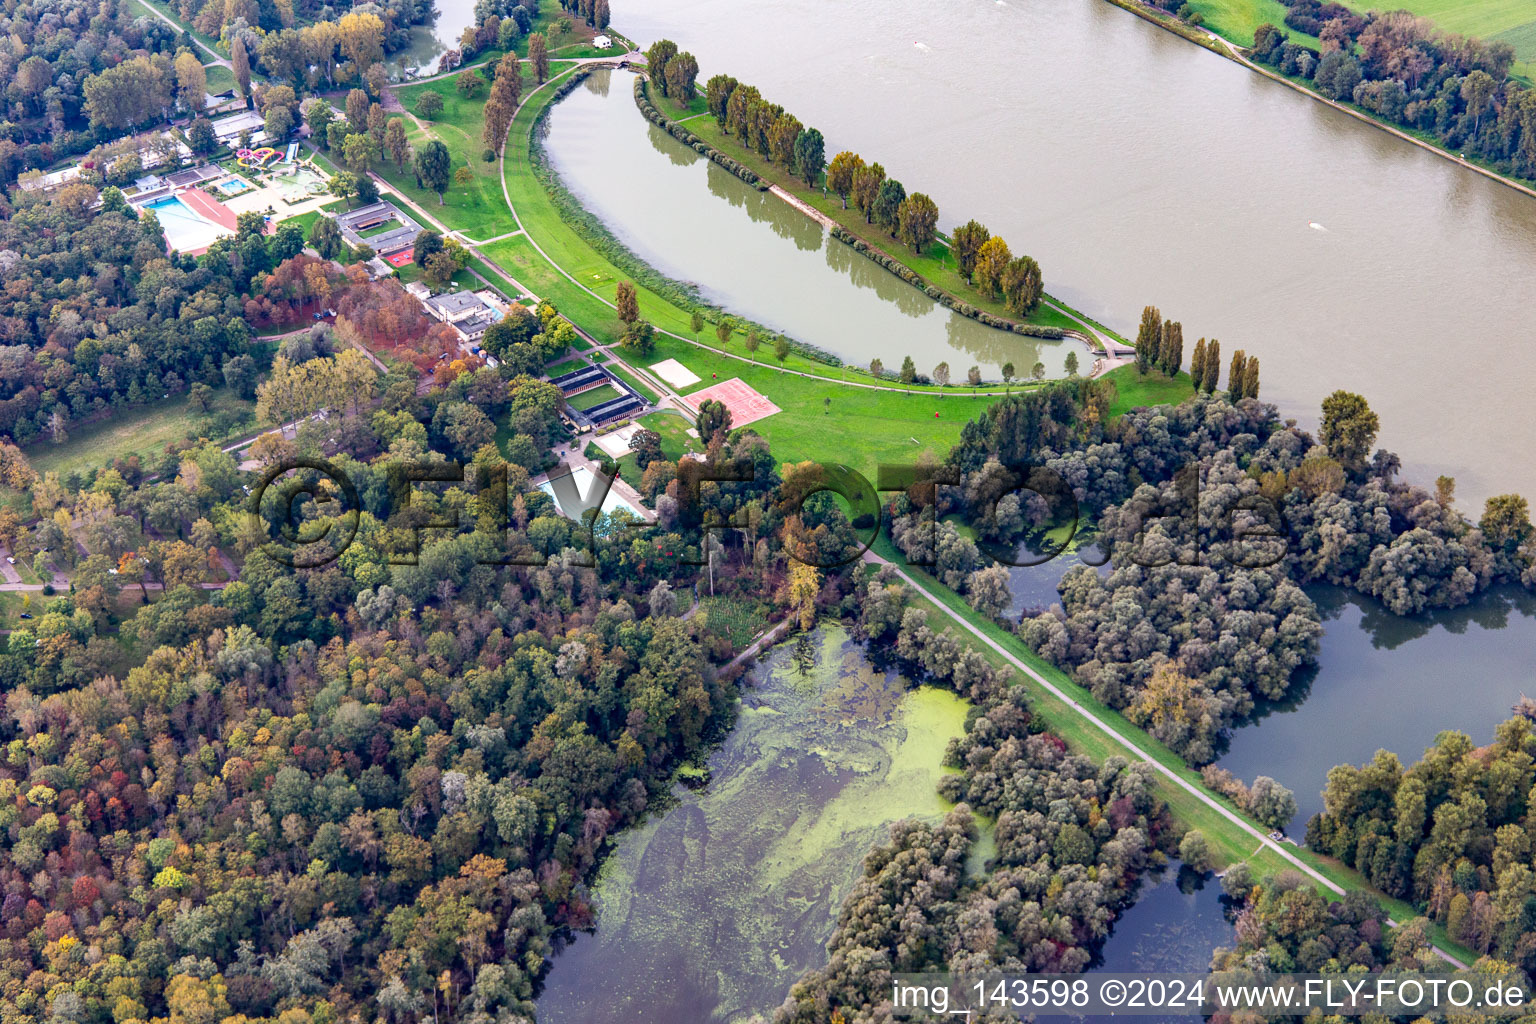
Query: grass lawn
[1236,20]
[646,392]
[220,78]
[565,366]
[462,280]
[144,431]
[478,208]
[379,229]
[1132,390]
[861,427]
[307,220]
[14,602]
[593,397]
[673,428]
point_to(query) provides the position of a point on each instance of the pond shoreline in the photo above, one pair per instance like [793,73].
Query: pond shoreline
[716,905]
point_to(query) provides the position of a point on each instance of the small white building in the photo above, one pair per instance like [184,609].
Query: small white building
[602,42]
[452,307]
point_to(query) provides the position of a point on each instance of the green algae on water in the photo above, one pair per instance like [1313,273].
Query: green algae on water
[709,912]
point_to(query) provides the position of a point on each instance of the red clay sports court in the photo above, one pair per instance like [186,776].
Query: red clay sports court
[746,405]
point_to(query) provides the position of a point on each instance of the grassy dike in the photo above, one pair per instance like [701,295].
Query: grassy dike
[936,264]
[860,427]
[1230,843]
[830,413]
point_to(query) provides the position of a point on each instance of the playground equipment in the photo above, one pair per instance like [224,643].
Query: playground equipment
[254,158]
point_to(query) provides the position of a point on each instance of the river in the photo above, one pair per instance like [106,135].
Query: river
[756,256]
[1139,168]
[709,911]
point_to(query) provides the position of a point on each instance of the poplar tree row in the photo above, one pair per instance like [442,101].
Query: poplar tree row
[766,127]
[982,257]
[1160,346]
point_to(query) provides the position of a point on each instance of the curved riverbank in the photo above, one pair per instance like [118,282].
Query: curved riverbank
[596,233]
[1234,51]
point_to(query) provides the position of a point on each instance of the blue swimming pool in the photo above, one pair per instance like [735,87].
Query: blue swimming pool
[185,230]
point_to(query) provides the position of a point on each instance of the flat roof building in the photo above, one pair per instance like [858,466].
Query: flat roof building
[229,128]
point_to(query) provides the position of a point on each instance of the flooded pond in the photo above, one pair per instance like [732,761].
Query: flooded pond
[709,911]
[1385,682]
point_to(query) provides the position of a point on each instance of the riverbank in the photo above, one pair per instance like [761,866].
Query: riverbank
[1235,50]
[549,252]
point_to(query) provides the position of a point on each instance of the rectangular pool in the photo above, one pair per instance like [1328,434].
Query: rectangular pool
[185,230]
[585,481]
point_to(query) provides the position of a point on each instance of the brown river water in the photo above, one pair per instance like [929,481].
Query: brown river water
[1139,168]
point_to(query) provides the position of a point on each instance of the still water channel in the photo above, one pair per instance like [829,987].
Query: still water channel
[1383,682]
[440,34]
[755,255]
[709,911]
[1390,683]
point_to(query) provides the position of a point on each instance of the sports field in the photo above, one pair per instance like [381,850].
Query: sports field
[747,405]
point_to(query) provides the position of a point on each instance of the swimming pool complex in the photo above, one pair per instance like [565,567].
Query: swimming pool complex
[185,229]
